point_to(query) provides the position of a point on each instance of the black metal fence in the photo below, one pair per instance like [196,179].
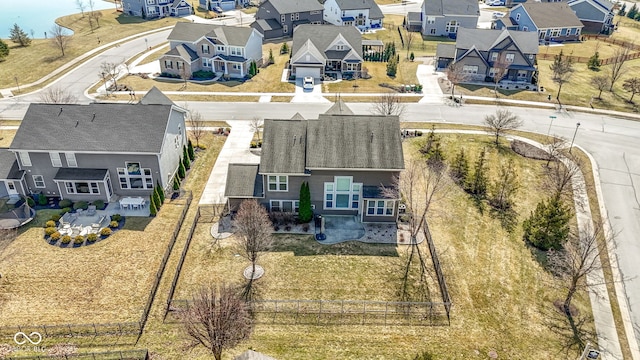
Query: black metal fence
[444,290]
[344,312]
[154,289]
[73,330]
[109,355]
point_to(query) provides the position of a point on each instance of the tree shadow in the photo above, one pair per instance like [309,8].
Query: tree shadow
[572,329]
[136,223]
[508,218]
[306,245]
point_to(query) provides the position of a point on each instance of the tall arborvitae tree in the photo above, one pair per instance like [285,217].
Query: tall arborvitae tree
[460,168]
[160,192]
[182,172]
[192,154]
[477,183]
[156,198]
[548,226]
[305,213]
[153,210]
[176,183]
[185,158]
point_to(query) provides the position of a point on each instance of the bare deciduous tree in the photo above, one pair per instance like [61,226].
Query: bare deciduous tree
[500,70]
[217,318]
[111,71]
[502,121]
[81,6]
[255,228]
[196,125]
[57,95]
[388,104]
[600,82]
[559,177]
[632,85]
[554,148]
[456,75]
[562,68]
[620,57]
[59,38]
[408,39]
[256,125]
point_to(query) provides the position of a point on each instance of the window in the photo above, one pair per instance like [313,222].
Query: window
[24,158]
[532,57]
[237,66]
[81,187]
[55,159]
[342,194]
[220,48]
[494,56]
[350,67]
[132,176]
[71,159]
[518,17]
[293,16]
[285,29]
[522,74]
[278,182]
[205,49]
[206,62]
[452,27]
[510,57]
[314,12]
[492,72]
[168,64]
[292,206]
[577,32]
[150,2]
[433,31]
[470,69]
[179,65]
[431,20]
[525,28]
[282,18]
[556,32]
[38,181]
[297,16]
[380,207]
[236,51]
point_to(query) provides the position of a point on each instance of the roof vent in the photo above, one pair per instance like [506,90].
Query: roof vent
[60,111]
[294,139]
[372,136]
[77,123]
[94,117]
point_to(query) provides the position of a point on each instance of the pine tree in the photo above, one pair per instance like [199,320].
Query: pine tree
[156,199]
[185,158]
[271,59]
[392,67]
[548,226]
[460,168]
[192,154]
[594,62]
[160,192]
[176,183]
[182,172]
[18,36]
[152,207]
[305,213]
[284,48]
[4,50]
[631,14]
[477,184]
[623,10]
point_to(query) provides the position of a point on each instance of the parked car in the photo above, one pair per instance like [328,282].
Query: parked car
[495,2]
[217,9]
[307,83]
[497,15]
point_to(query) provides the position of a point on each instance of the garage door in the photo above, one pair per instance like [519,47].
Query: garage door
[307,71]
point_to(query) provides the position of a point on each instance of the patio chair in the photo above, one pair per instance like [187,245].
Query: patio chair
[91,210]
[79,212]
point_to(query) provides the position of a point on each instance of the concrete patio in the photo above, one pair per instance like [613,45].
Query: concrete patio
[82,224]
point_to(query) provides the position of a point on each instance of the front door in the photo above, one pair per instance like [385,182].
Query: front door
[11,188]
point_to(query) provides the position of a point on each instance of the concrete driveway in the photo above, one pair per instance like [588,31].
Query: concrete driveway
[302,96]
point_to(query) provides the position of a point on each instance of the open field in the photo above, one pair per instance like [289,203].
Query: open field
[113,26]
[502,296]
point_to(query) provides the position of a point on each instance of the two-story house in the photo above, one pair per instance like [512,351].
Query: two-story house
[278,18]
[225,5]
[551,21]
[363,14]
[320,49]
[346,159]
[445,17]
[595,15]
[98,151]
[223,50]
[477,50]
[150,9]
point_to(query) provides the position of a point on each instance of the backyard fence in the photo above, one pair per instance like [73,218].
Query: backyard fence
[210,213]
[108,355]
[176,276]
[584,59]
[344,312]
[188,196]
[444,290]
[607,39]
[73,330]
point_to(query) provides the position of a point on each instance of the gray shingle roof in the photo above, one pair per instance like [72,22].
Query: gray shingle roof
[446,50]
[322,36]
[551,15]
[374,9]
[451,7]
[72,127]
[414,17]
[283,147]
[339,108]
[267,24]
[184,52]
[229,35]
[486,39]
[293,6]
[9,165]
[155,97]
[80,174]
[243,181]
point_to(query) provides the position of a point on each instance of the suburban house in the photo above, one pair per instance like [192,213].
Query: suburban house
[278,18]
[363,14]
[321,49]
[11,177]
[150,9]
[223,50]
[551,21]
[346,159]
[97,151]
[595,15]
[225,5]
[477,50]
[445,17]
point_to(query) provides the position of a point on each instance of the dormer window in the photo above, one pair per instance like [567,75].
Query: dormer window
[339,47]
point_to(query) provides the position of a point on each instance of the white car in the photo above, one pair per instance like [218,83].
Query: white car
[498,15]
[307,83]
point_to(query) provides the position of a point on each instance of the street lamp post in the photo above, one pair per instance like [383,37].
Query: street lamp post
[146,44]
[574,137]
[552,117]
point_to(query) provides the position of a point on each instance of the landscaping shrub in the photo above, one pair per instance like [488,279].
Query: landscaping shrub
[113,224]
[42,199]
[181,170]
[50,223]
[116,217]
[56,217]
[99,204]
[192,154]
[78,240]
[305,227]
[203,75]
[185,158]
[64,210]
[66,239]
[92,237]
[80,205]
[176,184]
[287,228]
[66,203]
[105,232]
[170,76]
[50,230]
[288,218]
[256,144]
[55,236]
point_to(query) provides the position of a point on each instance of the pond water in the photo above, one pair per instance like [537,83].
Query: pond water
[38,16]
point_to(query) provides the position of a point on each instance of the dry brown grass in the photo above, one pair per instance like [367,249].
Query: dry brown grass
[406,74]
[6,137]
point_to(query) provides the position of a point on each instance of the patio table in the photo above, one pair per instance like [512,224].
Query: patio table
[133,202]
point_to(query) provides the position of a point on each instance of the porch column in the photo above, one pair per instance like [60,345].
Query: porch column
[241,71]
[226,68]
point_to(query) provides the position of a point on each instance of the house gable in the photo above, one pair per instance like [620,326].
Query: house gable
[308,54]
[337,42]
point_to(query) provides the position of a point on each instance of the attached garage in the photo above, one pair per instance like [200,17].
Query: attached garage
[302,71]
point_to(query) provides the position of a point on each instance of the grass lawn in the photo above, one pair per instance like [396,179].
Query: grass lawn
[502,296]
[6,137]
[44,58]
[406,74]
